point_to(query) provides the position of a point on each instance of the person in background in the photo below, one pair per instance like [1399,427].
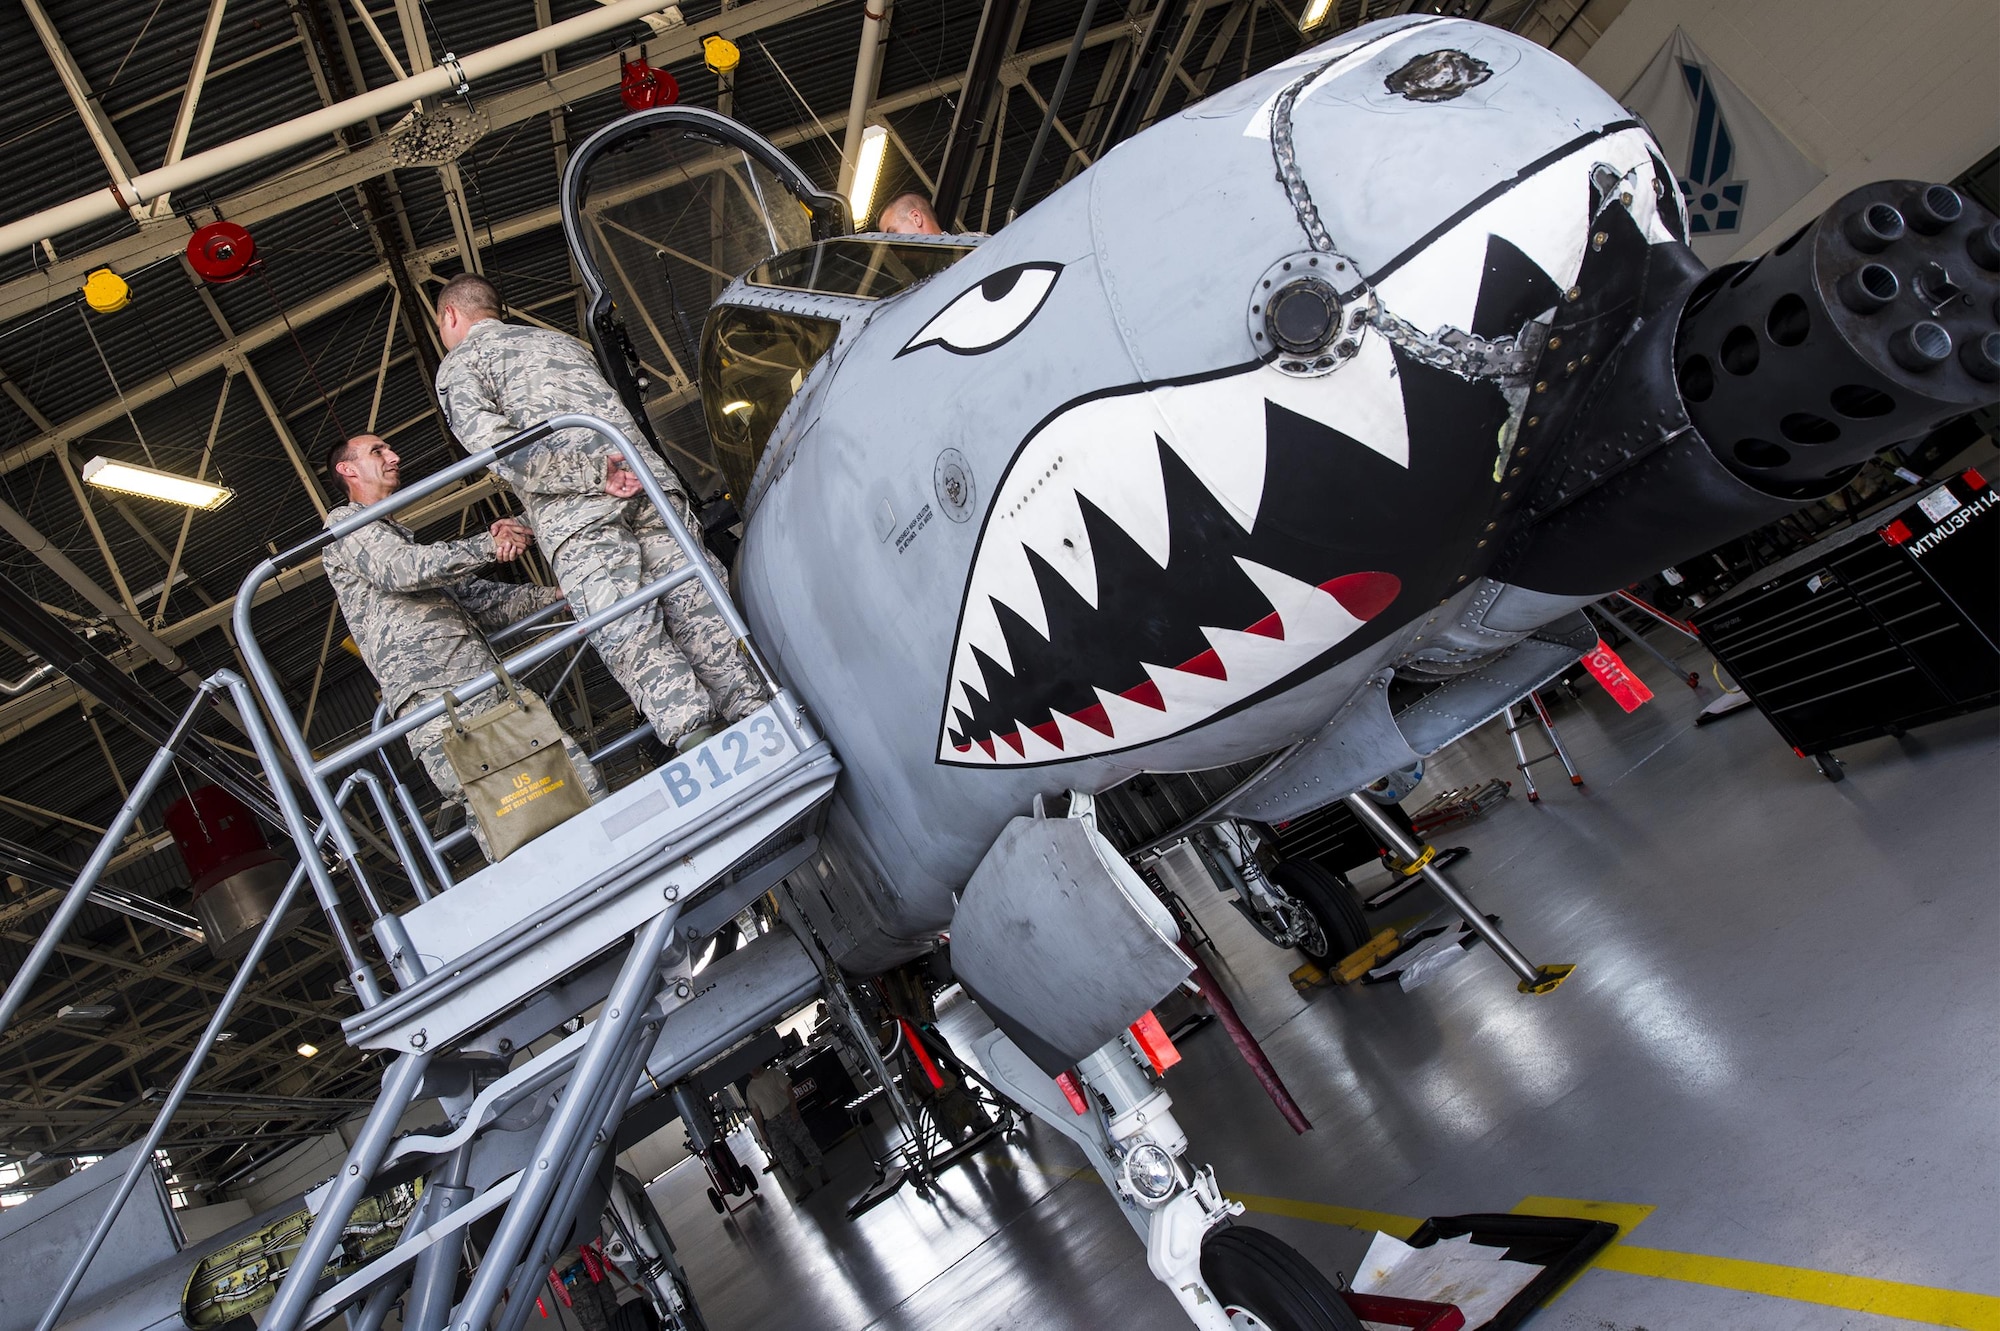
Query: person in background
[909,215]
[416,611]
[775,1107]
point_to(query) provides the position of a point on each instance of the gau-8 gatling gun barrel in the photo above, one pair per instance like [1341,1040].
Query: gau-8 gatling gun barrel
[1759,386]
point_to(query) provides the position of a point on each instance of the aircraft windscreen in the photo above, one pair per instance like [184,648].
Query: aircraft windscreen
[752,364]
[670,218]
[867,269]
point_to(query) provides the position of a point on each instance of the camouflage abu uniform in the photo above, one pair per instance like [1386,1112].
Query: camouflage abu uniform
[675,657]
[416,613]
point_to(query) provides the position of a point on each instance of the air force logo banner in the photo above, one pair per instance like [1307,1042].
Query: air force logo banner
[1738,170]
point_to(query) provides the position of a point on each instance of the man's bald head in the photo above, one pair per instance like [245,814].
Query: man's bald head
[909,215]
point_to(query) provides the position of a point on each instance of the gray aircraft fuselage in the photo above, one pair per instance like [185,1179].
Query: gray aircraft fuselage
[1377,363]
[1145,485]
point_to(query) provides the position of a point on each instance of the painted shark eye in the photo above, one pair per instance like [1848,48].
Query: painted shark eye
[990,313]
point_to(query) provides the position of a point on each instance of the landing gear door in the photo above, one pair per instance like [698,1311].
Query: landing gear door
[661,210]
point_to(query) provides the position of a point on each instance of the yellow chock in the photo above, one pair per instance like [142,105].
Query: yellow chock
[1547,979]
[106,292]
[1307,977]
[1366,957]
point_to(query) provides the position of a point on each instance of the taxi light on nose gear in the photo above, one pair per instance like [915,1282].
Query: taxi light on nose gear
[127,478]
[1150,1173]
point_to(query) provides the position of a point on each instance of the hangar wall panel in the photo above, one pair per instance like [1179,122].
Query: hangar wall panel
[1867,90]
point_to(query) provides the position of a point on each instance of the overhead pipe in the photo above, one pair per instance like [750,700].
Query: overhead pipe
[390,97]
[867,73]
[14,688]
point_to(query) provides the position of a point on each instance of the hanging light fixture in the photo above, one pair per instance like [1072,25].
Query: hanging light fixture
[867,171]
[129,478]
[1316,14]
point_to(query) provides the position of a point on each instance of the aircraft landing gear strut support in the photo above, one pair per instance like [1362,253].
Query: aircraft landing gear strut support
[1534,979]
[1122,1118]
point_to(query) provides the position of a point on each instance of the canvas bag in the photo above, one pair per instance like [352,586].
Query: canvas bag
[518,779]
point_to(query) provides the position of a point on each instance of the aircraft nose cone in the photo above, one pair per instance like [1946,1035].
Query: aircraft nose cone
[1303,316]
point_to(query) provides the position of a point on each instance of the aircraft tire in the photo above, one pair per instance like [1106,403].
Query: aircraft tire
[1257,1273]
[1329,898]
[637,1315]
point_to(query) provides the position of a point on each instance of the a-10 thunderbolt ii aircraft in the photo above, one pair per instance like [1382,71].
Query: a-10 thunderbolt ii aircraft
[1302,424]
[1279,447]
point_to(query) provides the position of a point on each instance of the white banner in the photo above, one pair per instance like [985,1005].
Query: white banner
[1737,170]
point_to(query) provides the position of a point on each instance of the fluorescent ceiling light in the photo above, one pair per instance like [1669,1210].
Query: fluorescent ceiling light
[126,478]
[86,1012]
[308,1050]
[1315,15]
[867,172]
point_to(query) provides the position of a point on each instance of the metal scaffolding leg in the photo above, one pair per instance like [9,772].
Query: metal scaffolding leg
[434,1275]
[295,1293]
[371,1312]
[1684,629]
[1555,740]
[107,846]
[1534,979]
[192,1068]
[563,1141]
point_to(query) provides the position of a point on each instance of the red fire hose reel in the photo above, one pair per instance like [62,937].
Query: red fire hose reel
[221,252]
[642,86]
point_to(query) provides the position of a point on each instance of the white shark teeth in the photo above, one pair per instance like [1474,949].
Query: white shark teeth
[1544,216]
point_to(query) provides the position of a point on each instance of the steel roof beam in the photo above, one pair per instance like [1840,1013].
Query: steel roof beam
[118,163]
[197,79]
[391,97]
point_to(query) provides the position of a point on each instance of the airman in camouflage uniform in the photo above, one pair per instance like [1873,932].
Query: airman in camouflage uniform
[674,657]
[417,612]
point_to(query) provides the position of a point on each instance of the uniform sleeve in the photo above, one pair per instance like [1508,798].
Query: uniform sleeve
[383,557]
[495,605]
[478,423]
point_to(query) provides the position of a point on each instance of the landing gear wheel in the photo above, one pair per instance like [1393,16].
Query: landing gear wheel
[715,1200]
[1265,1285]
[636,1316]
[1331,901]
[1829,767]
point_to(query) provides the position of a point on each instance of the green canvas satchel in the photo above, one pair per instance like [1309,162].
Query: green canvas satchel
[518,779]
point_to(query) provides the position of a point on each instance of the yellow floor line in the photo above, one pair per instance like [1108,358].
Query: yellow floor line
[1915,1303]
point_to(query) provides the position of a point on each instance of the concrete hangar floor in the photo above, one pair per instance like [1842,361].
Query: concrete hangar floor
[1777,1056]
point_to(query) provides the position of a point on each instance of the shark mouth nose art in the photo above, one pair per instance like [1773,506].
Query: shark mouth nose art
[1159,555]
[1148,563]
